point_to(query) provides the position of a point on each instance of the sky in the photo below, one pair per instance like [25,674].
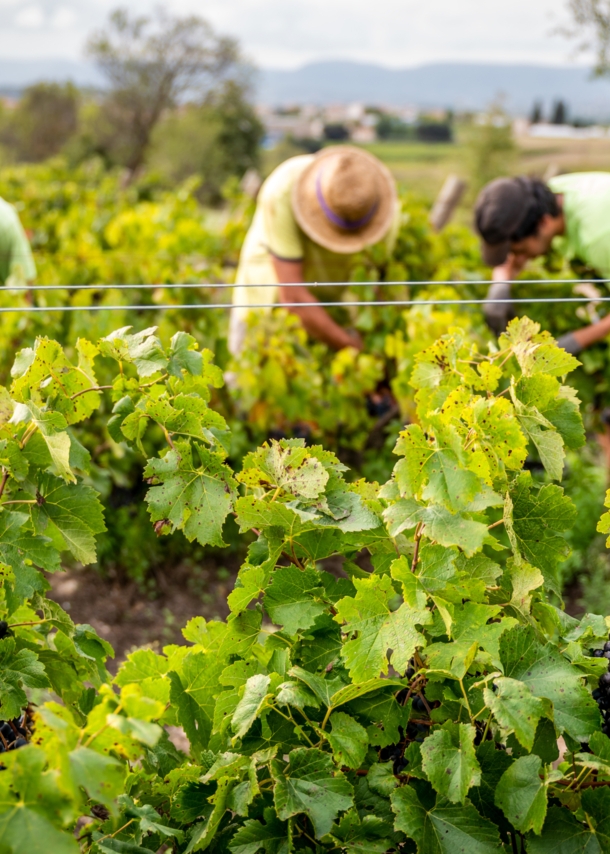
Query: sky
[289,33]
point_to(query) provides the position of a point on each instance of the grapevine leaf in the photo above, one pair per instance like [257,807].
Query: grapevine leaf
[359,689]
[549,675]
[143,349]
[18,669]
[348,740]
[285,466]
[521,794]
[251,704]
[294,598]
[410,472]
[445,828]
[536,352]
[24,829]
[563,833]
[272,837]
[184,356]
[52,426]
[295,694]
[439,524]
[596,803]
[204,832]
[310,784]
[324,689]
[516,709]
[102,777]
[364,835]
[74,511]
[374,629]
[449,760]
[544,437]
[193,499]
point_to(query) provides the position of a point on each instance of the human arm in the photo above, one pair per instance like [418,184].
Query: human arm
[316,320]
[580,339]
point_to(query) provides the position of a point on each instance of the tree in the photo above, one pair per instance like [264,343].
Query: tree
[214,140]
[43,121]
[592,20]
[153,64]
[560,113]
[536,115]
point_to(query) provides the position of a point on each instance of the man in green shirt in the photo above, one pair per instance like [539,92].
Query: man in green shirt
[15,253]
[519,219]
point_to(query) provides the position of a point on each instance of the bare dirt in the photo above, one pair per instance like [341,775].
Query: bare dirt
[130,616]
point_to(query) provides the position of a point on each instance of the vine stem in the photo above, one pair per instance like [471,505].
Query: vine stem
[3,483]
[495,524]
[24,501]
[417,539]
[33,623]
[87,390]
[112,835]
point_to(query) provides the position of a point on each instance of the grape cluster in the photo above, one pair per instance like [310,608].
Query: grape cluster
[15,733]
[601,695]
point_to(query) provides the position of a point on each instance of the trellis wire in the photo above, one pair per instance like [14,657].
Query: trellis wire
[198,306]
[314,285]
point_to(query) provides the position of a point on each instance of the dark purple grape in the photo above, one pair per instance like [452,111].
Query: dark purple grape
[418,704]
[597,653]
[19,742]
[604,682]
[597,694]
[607,645]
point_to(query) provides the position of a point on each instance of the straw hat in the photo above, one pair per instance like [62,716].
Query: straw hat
[345,199]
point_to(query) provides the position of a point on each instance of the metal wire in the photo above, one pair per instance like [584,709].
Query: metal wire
[314,285]
[197,306]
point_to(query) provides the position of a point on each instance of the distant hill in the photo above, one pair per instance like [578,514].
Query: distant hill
[461,86]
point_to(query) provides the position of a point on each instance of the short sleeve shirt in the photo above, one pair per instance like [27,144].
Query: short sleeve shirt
[15,253]
[586,207]
[275,232]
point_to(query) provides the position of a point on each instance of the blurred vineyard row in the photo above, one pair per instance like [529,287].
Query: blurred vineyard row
[88,226]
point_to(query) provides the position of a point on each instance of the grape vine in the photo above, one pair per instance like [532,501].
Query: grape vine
[429,695]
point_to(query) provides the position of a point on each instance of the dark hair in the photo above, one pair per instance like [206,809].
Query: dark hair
[543,201]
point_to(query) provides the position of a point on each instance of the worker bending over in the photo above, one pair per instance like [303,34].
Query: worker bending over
[15,253]
[519,218]
[314,213]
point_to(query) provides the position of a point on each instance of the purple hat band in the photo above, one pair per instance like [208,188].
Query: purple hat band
[347,224]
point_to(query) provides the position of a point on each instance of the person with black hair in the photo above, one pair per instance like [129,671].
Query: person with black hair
[520,218]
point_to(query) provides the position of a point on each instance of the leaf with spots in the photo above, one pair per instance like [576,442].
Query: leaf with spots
[192,497]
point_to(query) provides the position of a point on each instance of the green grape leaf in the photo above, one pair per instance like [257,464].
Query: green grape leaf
[24,829]
[310,784]
[184,355]
[374,629]
[251,704]
[359,689]
[521,794]
[358,835]
[52,427]
[596,803]
[516,709]
[348,740]
[102,777]
[204,832]
[439,525]
[449,760]
[287,467]
[294,598]
[272,836]
[143,349]
[445,828]
[563,833]
[74,511]
[17,669]
[193,499]
[536,352]
[536,516]
[544,437]
[564,414]
[410,472]
[550,676]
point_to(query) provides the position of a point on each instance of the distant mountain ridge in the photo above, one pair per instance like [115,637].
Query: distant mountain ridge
[460,86]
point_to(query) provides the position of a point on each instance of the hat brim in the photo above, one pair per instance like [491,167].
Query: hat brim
[314,222]
[495,254]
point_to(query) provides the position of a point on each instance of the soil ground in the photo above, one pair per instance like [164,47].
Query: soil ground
[129,617]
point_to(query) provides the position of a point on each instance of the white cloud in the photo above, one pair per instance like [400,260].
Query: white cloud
[287,33]
[30,17]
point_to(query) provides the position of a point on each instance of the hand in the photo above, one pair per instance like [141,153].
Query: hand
[355,340]
[511,268]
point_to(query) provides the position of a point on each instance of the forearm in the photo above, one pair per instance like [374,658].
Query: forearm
[588,335]
[316,320]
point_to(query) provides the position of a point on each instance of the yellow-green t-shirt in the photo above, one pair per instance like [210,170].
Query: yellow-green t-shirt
[586,207]
[275,232]
[15,253]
